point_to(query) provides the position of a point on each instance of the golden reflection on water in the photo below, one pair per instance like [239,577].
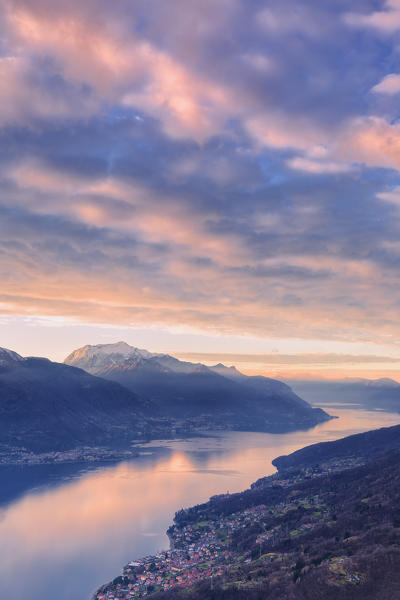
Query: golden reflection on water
[117,513]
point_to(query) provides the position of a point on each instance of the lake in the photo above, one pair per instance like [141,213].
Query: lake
[66,529]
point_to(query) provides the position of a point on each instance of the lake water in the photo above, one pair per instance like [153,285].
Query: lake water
[65,530]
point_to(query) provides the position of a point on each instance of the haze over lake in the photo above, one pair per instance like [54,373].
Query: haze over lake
[68,529]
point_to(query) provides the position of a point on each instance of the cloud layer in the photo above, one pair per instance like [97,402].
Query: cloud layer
[230,166]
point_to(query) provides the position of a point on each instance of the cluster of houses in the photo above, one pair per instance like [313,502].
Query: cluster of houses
[216,531]
[166,570]
[202,550]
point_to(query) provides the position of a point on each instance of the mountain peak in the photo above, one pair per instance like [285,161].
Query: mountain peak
[117,348]
[106,358]
[222,369]
[121,348]
[102,358]
[8,357]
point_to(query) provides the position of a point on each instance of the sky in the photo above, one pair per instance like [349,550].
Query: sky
[215,178]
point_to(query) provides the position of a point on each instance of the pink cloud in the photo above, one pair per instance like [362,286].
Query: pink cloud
[124,68]
[200,294]
[393,196]
[389,85]
[370,140]
[85,50]
[278,130]
[152,218]
[222,300]
[387,21]
[23,98]
[318,167]
[186,104]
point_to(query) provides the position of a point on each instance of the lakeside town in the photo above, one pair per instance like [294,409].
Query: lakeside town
[16,456]
[205,549]
[157,430]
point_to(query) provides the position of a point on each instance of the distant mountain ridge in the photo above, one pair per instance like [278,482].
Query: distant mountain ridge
[220,396]
[125,394]
[374,394]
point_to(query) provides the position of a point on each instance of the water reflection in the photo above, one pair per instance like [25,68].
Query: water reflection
[68,538]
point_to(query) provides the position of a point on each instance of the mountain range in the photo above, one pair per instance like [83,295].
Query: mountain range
[114,394]
[219,396]
[49,406]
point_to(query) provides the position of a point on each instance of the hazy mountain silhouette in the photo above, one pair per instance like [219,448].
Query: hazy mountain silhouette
[374,394]
[223,395]
[47,406]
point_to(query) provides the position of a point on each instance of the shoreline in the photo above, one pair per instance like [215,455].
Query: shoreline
[201,537]
[19,456]
[209,546]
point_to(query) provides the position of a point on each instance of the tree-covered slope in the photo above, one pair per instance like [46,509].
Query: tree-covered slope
[365,445]
[47,406]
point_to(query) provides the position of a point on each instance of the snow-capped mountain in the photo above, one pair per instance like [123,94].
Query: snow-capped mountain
[185,390]
[105,359]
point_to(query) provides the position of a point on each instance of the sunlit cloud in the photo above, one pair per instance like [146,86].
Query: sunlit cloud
[389,85]
[392,196]
[372,141]
[307,366]
[23,97]
[127,70]
[290,359]
[318,167]
[224,167]
[386,21]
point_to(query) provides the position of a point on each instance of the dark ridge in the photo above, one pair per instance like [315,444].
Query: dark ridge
[367,445]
